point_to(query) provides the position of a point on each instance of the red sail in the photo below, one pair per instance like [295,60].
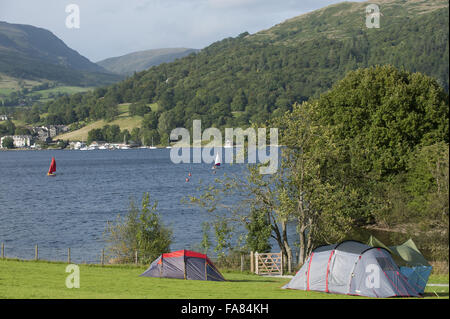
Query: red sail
[52,168]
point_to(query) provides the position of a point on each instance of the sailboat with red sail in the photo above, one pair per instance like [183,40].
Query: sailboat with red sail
[52,169]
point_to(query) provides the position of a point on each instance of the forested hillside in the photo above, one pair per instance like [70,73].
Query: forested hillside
[252,78]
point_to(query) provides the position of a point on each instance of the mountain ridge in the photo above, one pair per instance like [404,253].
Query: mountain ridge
[138,61]
[31,52]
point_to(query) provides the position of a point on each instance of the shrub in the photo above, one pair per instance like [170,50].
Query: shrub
[140,230]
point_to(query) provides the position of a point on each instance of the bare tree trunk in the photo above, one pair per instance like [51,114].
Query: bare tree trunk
[288,250]
[302,247]
[310,236]
[279,238]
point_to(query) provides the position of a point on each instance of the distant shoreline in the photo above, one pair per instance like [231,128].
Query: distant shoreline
[133,148]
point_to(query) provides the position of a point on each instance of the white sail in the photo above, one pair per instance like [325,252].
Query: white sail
[217,161]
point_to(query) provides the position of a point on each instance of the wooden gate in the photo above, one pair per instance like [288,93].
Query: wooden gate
[269,263]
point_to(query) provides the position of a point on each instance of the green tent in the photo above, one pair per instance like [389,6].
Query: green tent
[406,254]
[411,261]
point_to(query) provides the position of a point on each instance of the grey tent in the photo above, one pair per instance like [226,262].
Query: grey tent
[183,264]
[352,268]
[412,263]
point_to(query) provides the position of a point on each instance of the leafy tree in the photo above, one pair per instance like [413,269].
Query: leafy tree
[206,241]
[62,144]
[428,184]
[135,135]
[8,142]
[139,108]
[150,121]
[141,230]
[223,233]
[151,137]
[259,231]
[166,123]
[21,130]
[125,136]
[239,101]
[382,113]
[111,133]
[95,135]
[7,128]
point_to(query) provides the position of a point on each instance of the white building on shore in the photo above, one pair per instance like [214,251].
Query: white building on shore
[20,141]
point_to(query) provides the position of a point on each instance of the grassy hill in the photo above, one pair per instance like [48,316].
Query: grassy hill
[124,120]
[28,52]
[142,60]
[9,84]
[29,279]
[22,92]
[340,21]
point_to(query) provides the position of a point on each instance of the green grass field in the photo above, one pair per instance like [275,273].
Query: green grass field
[46,280]
[123,120]
[59,90]
[10,84]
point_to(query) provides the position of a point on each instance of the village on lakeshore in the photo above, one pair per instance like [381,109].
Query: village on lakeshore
[45,135]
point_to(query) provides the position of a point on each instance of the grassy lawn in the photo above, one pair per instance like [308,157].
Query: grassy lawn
[30,279]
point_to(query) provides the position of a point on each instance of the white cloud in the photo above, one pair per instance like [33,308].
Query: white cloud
[230,3]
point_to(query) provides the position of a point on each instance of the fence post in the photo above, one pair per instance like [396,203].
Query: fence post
[103,257]
[36,256]
[68,255]
[256,263]
[136,257]
[252,263]
[3,250]
[242,262]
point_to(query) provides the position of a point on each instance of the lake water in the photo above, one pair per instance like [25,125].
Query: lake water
[91,188]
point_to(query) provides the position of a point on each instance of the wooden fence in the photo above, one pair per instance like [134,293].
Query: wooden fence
[269,264]
[259,263]
[68,255]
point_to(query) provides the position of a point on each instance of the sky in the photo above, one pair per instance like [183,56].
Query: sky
[109,28]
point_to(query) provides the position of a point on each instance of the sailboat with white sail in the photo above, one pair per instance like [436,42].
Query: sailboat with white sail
[216,162]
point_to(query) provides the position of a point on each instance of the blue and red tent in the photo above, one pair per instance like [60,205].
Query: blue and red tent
[183,264]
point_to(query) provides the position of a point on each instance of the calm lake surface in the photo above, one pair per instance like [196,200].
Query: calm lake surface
[71,209]
[91,188]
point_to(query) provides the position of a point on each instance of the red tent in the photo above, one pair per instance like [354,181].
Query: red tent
[183,264]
